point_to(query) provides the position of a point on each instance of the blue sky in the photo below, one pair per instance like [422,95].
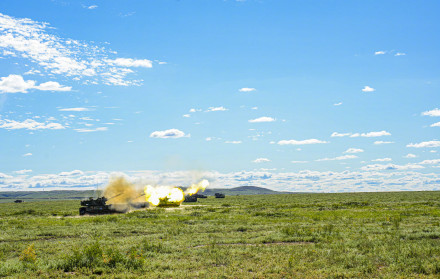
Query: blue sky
[321,96]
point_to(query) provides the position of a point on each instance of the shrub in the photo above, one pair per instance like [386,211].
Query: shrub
[28,255]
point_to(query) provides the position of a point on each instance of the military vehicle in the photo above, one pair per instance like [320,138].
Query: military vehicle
[96,206]
[219,196]
[199,196]
[189,198]
[19,201]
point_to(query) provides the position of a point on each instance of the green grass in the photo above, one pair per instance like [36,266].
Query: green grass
[362,235]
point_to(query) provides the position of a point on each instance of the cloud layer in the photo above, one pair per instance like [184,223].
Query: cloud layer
[35,42]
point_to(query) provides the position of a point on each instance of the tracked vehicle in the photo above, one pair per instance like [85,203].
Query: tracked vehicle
[96,206]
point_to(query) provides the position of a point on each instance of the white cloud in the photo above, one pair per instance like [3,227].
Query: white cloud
[434,112]
[383,142]
[354,150]
[92,7]
[216,109]
[432,143]
[430,162]
[400,54]
[84,130]
[409,155]
[208,139]
[168,134]
[128,62]
[76,109]
[247,89]
[435,124]
[300,142]
[380,52]
[186,115]
[16,84]
[368,89]
[336,134]
[382,160]
[27,154]
[344,157]
[22,171]
[233,141]
[261,160]
[371,134]
[365,135]
[29,124]
[262,119]
[338,104]
[53,55]
[52,86]
[393,179]
[378,167]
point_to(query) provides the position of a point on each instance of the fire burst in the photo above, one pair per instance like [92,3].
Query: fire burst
[164,196]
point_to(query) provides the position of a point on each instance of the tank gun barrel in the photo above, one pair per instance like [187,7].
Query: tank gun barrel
[114,196]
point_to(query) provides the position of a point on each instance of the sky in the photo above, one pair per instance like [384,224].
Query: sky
[304,96]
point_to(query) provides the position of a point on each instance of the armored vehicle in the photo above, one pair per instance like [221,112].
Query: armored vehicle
[200,196]
[189,198]
[19,201]
[95,206]
[219,196]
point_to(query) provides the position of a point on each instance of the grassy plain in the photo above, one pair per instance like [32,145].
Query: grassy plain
[358,235]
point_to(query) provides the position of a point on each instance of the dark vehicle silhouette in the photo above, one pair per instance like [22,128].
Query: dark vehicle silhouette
[219,196]
[96,206]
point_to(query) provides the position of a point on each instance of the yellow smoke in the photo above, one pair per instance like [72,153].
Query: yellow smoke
[194,188]
[121,194]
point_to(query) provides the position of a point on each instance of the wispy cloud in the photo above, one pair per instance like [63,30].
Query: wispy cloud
[354,150]
[27,154]
[390,167]
[16,84]
[336,134]
[368,89]
[379,52]
[300,142]
[338,104]
[378,142]
[247,89]
[92,7]
[85,130]
[29,124]
[261,160]
[76,109]
[169,134]
[216,109]
[262,119]
[22,171]
[365,135]
[435,124]
[344,157]
[128,62]
[409,155]
[400,54]
[233,141]
[432,143]
[33,41]
[382,160]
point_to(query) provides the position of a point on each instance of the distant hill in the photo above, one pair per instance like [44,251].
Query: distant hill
[243,190]
[82,194]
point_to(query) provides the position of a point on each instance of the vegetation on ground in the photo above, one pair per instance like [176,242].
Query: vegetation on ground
[356,235]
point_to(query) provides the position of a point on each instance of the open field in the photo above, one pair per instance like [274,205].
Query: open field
[261,236]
